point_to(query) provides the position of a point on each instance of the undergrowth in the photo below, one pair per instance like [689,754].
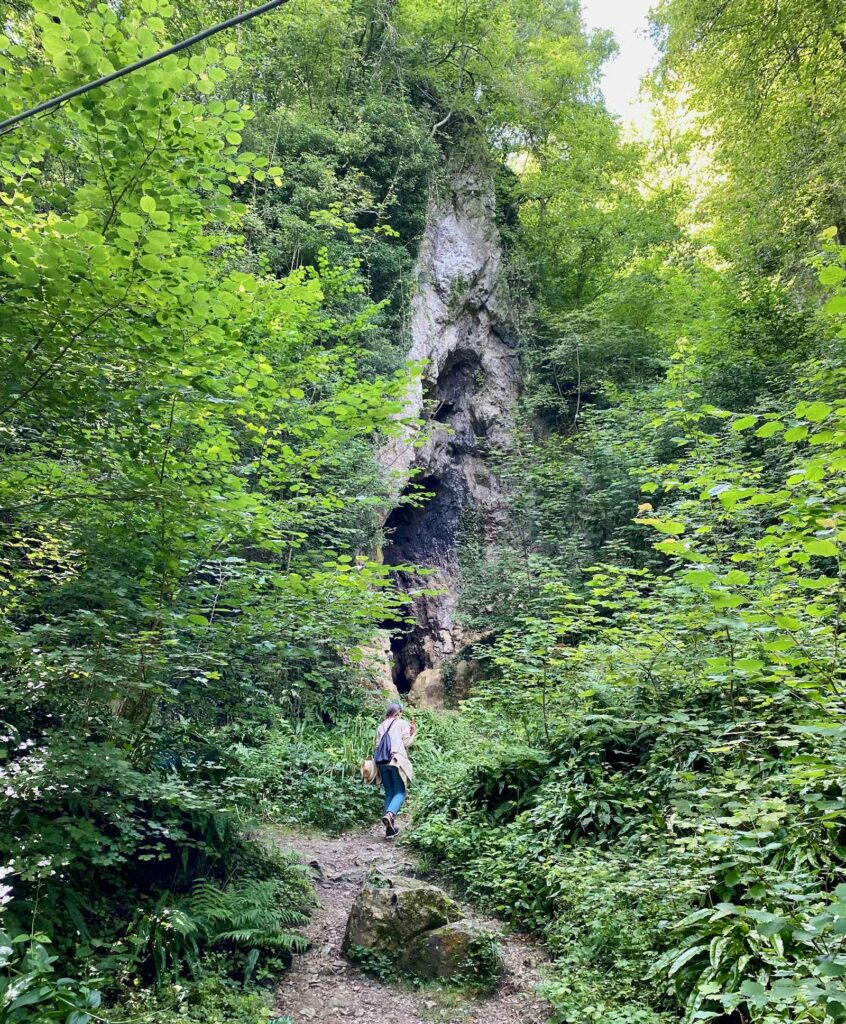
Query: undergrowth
[308,775]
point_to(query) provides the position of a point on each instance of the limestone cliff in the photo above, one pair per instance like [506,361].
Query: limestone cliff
[460,328]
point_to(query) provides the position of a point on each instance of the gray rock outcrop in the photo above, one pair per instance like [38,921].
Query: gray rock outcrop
[461,330]
[389,913]
[419,929]
[428,690]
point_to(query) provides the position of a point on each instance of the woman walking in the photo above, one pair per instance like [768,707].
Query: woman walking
[393,738]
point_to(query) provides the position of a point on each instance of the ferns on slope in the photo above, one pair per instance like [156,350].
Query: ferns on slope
[254,913]
[248,912]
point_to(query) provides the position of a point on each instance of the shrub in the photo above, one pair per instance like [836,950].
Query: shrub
[311,776]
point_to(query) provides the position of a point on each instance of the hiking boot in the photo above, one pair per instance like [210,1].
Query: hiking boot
[389,821]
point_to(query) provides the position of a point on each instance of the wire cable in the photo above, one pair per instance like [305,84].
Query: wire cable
[12,122]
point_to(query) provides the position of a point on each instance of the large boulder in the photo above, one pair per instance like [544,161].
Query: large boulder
[404,925]
[428,691]
[459,952]
[389,913]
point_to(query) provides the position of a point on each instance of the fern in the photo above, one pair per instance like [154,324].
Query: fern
[249,912]
[259,914]
[166,937]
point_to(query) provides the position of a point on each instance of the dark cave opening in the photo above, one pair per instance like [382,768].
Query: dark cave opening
[443,412]
[421,529]
[460,378]
[407,658]
[402,680]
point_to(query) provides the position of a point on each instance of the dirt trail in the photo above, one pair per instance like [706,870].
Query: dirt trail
[322,987]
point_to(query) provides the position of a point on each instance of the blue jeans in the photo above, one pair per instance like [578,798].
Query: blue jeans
[394,788]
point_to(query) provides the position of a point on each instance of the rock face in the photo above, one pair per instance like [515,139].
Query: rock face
[377,665]
[461,329]
[388,914]
[467,673]
[428,689]
[419,929]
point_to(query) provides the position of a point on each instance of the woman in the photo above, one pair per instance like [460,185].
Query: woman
[393,738]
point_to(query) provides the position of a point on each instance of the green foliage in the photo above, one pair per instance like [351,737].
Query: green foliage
[677,823]
[311,776]
[780,963]
[759,77]
[211,998]
[189,497]
[31,990]
[204,275]
[379,965]
[253,914]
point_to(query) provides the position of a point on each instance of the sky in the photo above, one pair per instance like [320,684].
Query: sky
[627,19]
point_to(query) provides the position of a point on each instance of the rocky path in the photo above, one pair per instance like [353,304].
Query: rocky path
[322,987]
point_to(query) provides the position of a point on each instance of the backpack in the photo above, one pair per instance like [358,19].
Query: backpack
[384,752]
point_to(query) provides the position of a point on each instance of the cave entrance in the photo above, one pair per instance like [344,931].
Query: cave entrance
[418,532]
[448,397]
[402,681]
[412,529]
[460,378]
[407,658]
[424,531]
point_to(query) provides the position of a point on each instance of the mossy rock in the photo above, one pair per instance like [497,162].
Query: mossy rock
[459,952]
[390,913]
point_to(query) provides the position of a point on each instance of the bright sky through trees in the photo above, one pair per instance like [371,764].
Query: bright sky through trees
[627,19]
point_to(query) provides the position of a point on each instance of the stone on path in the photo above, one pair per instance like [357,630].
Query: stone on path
[387,914]
[420,929]
[323,987]
[459,951]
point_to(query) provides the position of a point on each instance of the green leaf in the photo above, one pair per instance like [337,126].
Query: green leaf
[831,276]
[736,577]
[836,305]
[749,664]
[816,583]
[768,429]
[668,526]
[825,548]
[680,550]
[700,577]
[816,412]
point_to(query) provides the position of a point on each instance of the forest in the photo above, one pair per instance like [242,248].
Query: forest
[610,537]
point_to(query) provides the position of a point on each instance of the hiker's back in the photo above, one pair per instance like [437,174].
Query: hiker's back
[400,735]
